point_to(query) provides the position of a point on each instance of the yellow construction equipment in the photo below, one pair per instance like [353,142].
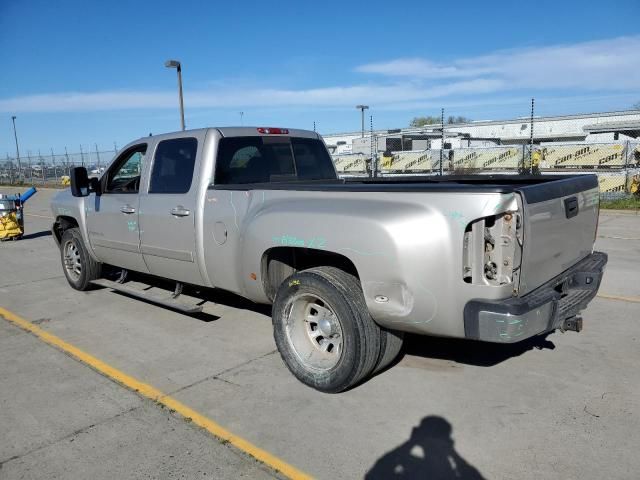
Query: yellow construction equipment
[10,228]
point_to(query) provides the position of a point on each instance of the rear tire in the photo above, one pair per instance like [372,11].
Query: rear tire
[323,329]
[78,266]
[391,342]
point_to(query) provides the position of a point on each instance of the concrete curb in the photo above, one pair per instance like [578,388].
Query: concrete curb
[607,211]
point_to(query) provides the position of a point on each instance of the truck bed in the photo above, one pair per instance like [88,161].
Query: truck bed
[560,211]
[536,188]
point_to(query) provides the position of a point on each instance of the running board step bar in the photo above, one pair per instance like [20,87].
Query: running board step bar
[159,299]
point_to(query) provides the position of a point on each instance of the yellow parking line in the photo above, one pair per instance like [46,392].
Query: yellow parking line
[620,297]
[156,395]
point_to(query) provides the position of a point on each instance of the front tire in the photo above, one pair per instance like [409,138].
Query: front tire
[323,329]
[78,266]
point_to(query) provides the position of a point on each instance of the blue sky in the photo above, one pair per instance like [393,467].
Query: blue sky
[87,72]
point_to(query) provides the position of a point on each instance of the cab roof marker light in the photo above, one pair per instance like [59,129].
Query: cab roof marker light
[273,131]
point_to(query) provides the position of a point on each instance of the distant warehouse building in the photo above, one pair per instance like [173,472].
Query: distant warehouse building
[587,128]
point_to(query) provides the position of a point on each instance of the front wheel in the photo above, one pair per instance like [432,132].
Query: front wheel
[323,330]
[78,266]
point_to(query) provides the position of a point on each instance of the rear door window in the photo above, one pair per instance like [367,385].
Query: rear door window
[173,165]
[243,160]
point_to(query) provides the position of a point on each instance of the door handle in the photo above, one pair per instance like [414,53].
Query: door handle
[128,209]
[180,211]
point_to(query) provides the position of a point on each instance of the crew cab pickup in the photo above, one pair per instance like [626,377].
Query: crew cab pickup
[348,266]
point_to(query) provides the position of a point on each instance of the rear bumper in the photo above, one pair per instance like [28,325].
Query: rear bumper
[542,310]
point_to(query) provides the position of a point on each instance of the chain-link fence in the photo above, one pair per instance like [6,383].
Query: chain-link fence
[53,169]
[598,143]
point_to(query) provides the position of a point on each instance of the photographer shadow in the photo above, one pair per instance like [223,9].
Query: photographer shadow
[428,454]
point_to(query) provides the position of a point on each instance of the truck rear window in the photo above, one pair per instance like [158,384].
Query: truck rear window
[257,159]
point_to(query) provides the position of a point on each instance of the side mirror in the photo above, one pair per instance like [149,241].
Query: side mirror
[79,182]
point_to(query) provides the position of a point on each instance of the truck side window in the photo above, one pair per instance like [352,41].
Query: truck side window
[124,176]
[173,165]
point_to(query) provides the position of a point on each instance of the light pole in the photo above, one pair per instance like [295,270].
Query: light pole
[176,64]
[241,117]
[15,135]
[362,108]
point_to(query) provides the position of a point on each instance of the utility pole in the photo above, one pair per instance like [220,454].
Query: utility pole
[442,140]
[241,118]
[81,155]
[531,139]
[362,108]
[178,66]
[374,149]
[15,135]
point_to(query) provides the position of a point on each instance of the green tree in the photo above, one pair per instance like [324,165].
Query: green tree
[459,119]
[422,121]
[451,120]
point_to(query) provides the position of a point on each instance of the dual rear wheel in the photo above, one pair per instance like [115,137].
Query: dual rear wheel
[321,322]
[324,332]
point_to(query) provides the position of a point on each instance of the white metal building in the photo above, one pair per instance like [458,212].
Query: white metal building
[594,127]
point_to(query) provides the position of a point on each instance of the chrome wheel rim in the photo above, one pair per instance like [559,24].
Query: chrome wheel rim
[314,332]
[71,259]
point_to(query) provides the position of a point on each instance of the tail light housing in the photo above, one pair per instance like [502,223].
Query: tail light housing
[273,131]
[492,250]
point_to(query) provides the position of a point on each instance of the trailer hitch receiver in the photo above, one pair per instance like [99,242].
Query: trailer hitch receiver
[574,324]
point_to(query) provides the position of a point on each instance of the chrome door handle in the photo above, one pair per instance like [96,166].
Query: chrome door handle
[180,211]
[128,209]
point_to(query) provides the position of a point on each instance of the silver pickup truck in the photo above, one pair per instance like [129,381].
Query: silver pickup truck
[349,266]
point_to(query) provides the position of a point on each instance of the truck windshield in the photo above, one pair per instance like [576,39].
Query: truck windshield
[257,159]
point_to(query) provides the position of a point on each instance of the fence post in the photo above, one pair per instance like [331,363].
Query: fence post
[53,162]
[29,163]
[98,158]
[10,168]
[66,154]
[626,155]
[42,166]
